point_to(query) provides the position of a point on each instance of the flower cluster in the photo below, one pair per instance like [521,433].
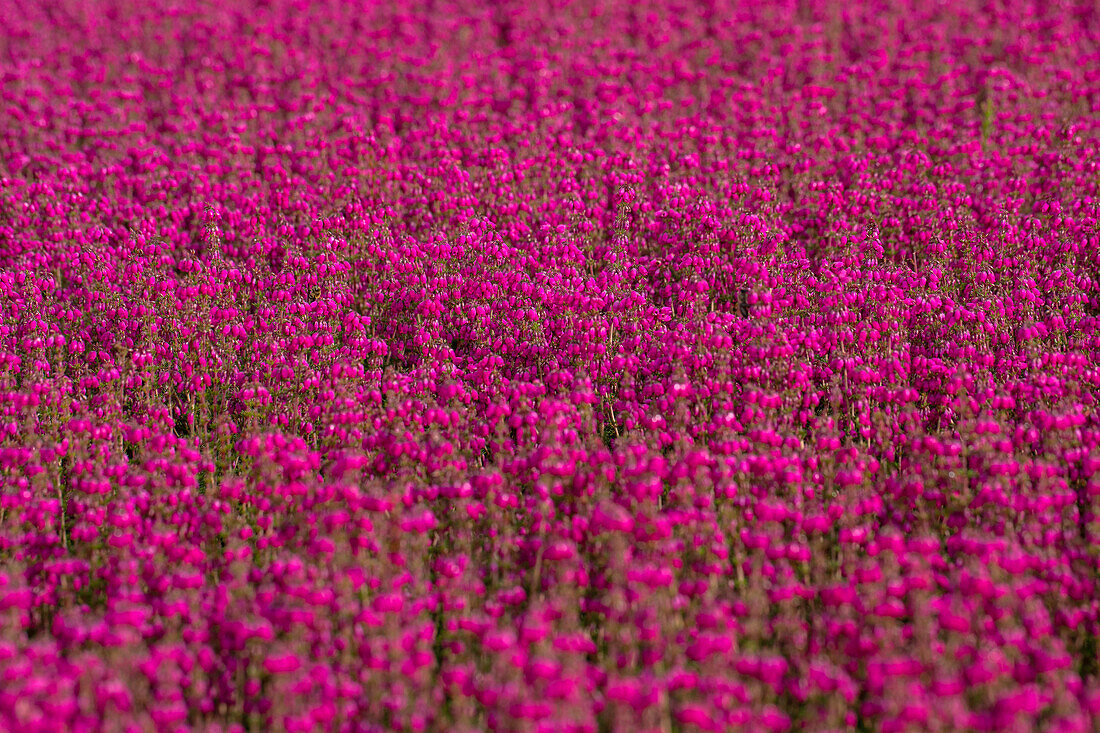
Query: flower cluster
[540,366]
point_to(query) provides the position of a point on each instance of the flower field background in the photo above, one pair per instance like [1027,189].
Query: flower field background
[537,366]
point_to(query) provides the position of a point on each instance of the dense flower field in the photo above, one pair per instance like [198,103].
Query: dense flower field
[548,365]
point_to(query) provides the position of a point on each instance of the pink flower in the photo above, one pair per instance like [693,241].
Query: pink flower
[282,664]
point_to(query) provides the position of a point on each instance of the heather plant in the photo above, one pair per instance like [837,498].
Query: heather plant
[532,367]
